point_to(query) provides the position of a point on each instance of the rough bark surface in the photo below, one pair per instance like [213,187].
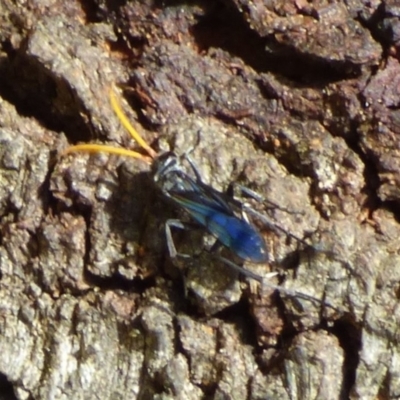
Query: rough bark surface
[296,100]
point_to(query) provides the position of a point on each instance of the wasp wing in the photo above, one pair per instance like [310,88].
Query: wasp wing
[198,191]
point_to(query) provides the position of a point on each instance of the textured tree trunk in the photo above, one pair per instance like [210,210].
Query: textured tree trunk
[298,101]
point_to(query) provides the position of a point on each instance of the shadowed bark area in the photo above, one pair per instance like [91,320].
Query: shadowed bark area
[298,101]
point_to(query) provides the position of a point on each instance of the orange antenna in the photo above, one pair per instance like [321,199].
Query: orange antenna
[102,148]
[97,148]
[128,126]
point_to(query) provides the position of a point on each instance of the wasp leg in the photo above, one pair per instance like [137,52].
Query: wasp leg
[193,166]
[243,271]
[260,216]
[176,223]
[280,289]
[271,225]
[261,199]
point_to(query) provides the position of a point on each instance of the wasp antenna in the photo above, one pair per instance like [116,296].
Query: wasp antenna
[127,125]
[98,148]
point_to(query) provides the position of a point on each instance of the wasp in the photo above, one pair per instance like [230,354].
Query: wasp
[222,216]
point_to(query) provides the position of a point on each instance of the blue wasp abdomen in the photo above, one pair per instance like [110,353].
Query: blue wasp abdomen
[239,236]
